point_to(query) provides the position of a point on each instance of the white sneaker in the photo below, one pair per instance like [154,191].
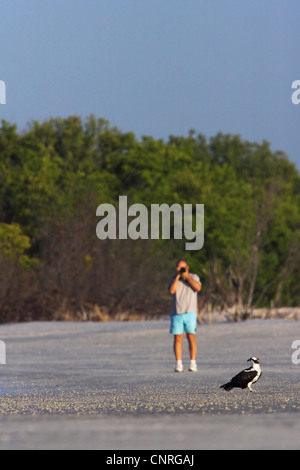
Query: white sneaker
[193,367]
[179,367]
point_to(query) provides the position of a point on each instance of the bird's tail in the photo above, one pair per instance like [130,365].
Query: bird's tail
[227,386]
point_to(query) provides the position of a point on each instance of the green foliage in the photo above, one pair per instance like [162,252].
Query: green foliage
[14,245]
[55,174]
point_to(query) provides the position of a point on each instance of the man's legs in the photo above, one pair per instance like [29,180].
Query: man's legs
[192,346]
[178,352]
[193,351]
[178,347]
[179,323]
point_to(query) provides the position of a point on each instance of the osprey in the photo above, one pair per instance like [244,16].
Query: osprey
[245,378]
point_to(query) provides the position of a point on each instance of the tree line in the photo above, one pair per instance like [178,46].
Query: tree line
[53,176]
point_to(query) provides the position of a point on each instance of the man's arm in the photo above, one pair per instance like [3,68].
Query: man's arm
[174,284]
[194,284]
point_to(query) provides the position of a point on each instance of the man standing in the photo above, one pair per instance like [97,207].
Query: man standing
[184,288]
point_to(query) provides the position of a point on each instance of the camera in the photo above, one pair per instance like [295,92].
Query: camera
[182,270]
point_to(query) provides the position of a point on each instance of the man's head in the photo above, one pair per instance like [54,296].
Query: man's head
[182,264]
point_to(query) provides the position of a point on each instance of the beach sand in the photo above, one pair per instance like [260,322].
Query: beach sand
[68,385]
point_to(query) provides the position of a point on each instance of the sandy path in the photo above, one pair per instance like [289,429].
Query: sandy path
[113,386]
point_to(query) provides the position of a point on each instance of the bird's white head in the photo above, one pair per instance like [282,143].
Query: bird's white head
[254,360]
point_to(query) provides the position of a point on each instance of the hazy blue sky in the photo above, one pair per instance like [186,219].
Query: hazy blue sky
[156,67]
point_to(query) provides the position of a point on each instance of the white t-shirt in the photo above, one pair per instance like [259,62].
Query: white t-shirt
[185,298]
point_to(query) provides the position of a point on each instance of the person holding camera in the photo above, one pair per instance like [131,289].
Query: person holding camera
[184,288]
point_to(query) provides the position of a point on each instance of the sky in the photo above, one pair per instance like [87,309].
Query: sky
[156,67]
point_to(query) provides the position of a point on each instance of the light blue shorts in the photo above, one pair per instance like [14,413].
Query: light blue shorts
[183,322]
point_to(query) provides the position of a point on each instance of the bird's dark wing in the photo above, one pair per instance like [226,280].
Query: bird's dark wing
[243,378]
